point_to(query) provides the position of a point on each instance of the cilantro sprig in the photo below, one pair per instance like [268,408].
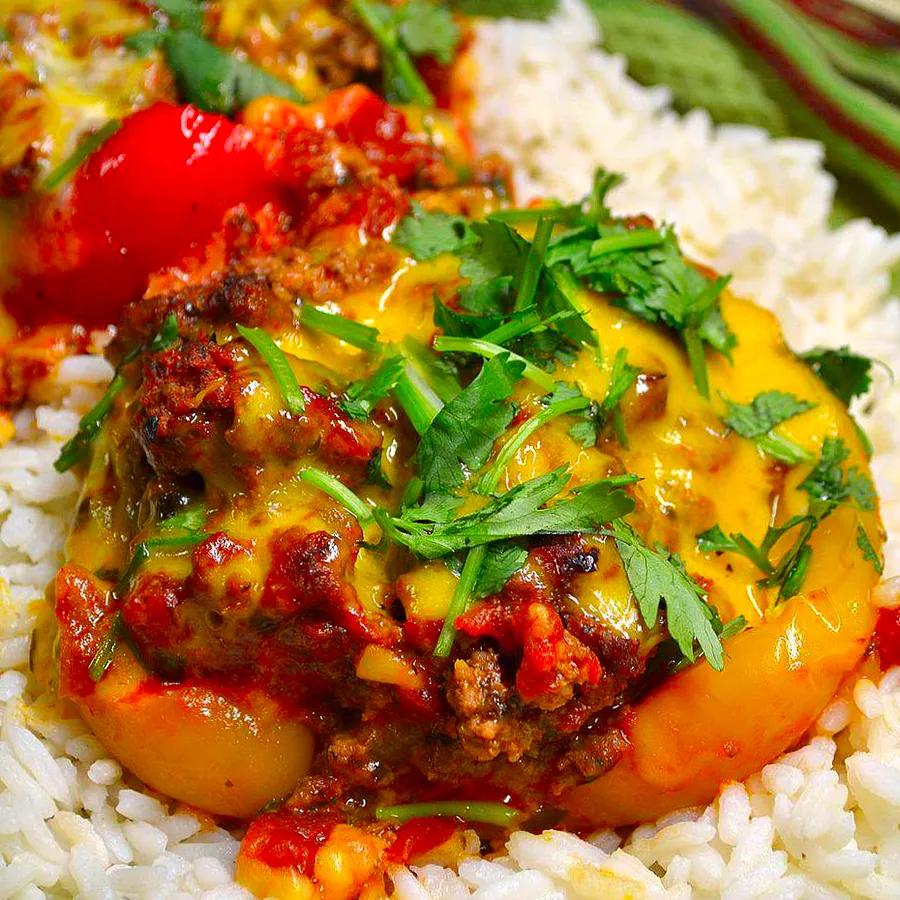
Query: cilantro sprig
[847,374]
[658,578]
[828,486]
[414,29]
[757,420]
[207,76]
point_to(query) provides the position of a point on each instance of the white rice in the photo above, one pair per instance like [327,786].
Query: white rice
[822,822]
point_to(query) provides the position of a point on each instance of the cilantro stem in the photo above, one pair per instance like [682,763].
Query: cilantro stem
[639,239]
[697,357]
[145,550]
[530,321]
[338,491]
[479,347]
[441,381]
[71,163]
[783,448]
[277,361]
[471,811]
[534,263]
[568,288]
[489,481]
[356,334]
[397,61]
[460,600]
[106,649]
[76,448]
[419,401]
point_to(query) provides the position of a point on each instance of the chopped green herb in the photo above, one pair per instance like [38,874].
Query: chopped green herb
[191,518]
[489,813]
[868,551]
[621,378]
[338,491]
[653,281]
[757,419]
[655,577]
[846,373]
[462,434]
[427,235]
[557,404]
[361,397]
[69,165]
[427,29]
[216,80]
[106,649]
[279,365]
[77,447]
[534,263]
[520,512]
[435,370]
[144,550]
[402,81]
[186,14]
[492,351]
[828,485]
[501,562]
[364,337]
[459,602]
[142,42]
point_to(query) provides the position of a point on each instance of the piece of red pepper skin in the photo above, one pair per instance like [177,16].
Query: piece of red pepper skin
[150,195]
[887,637]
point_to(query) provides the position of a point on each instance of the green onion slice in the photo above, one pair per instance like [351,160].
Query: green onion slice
[489,813]
[71,163]
[277,361]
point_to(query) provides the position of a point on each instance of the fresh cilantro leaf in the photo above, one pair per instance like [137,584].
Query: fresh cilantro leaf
[656,577]
[184,14]
[428,29]
[361,397]
[868,551]
[498,251]
[846,373]
[402,81]
[216,80]
[501,562]
[516,9]
[763,413]
[375,472]
[488,298]
[622,377]
[757,419]
[520,512]
[828,485]
[142,42]
[429,234]
[463,432]
[655,283]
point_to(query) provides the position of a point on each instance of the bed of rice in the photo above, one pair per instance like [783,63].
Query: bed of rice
[821,822]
